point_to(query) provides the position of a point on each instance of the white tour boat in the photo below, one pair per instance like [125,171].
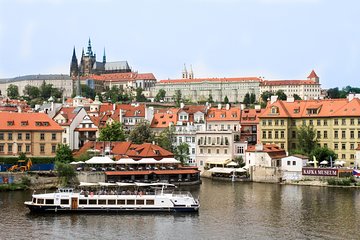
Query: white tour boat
[145,197]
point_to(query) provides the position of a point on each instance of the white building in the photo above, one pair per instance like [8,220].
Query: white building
[60,81]
[291,167]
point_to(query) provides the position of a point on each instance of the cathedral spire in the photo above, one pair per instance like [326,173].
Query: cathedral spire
[74,68]
[184,73]
[89,50]
[104,57]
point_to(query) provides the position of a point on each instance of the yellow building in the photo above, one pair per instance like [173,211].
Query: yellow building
[34,134]
[336,122]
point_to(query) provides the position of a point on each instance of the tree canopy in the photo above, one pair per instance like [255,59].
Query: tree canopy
[182,153]
[296,97]
[226,100]
[140,97]
[141,133]
[307,141]
[165,138]
[160,96]
[63,154]
[12,91]
[281,95]
[323,153]
[112,132]
[177,98]
[343,93]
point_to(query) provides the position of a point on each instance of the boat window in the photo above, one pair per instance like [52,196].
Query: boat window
[92,201]
[49,201]
[121,201]
[64,201]
[111,202]
[34,200]
[149,202]
[140,202]
[102,202]
[130,202]
[83,201]
[40,201]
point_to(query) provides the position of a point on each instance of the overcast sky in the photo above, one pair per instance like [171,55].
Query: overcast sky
[275,39]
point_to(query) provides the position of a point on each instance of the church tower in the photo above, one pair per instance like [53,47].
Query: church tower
[191,73]
[74,68]
[104,57]
[184,72]
[87,60]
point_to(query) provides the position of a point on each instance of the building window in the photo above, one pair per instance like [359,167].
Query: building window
[336,146]
[294,163]
[53,136]
[264,134]
[192,150]
[264,122]
[318,122]
[336,122]
[325,123]
[288,163]
[282,134]
[53,148]
[325,145]
[282,146]
[343,146]
[19,150]
[293,134]
[240,149]
[19,136]
[336,134]
[343,121]
[27,136]
[311,122]
[27,148]
[10,136]
[276,122]
[201,151]
[42,136]
[217,151]
[352,134]
[352,121]
[352,146]
[343,156]
[1,136]
[304,122]
[10,147]
[276,134]
[209,151]
[225,151]
[343,134]
[1,148]
[42,148]
[318,134]
[282,122]
[269,122]
[352,156]
[269,134]
[325,135]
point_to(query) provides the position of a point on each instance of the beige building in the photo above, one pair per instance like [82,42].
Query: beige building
[306,89]
[336,122]
[60,81]
[34,134]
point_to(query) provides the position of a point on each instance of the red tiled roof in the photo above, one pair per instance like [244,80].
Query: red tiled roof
[250,116]
[27,122]
[240,79]
[312,75]
[287,82]
[215,114]
[130,76]
[147,150]
[273,150]
[163,119]
[326,108]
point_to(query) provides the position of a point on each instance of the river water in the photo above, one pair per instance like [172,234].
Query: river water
[228,211]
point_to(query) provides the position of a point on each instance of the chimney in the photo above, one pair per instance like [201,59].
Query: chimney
[242,106]
[351,96]
[273,99]
[219,106]
[182,105]
[290,99]
[227,106]
[114,106]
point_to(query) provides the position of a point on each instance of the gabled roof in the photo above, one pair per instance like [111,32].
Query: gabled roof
[27,122]
[128,76]
[147,150]
[250,116]
[215,114]
[274,151]
[312,75]
[69,113]
[163,119]
[287,82]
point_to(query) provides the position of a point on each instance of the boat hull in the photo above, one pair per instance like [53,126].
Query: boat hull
[57,209]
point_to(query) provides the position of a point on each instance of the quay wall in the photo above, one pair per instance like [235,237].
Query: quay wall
[265,174]
[91,177]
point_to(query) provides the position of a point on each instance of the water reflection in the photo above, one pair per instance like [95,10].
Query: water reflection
[228,211]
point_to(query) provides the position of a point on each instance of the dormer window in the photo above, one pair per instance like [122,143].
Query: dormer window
[10,123]
[46,123]
[274,110]
[312,111]
[24,123]
[222,115]
[38,124]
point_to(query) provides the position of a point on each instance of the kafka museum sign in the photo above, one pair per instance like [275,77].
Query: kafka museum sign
[326,172]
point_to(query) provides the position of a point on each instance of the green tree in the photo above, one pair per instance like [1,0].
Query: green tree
[252,98]
[281,95]
[66,174]
[323,153]
[165,138]
[22,156]
[46,90]
[210,99]
[140,96]
[240,161]
[31,91]
[141,133]
[296,97]
[333,93]
[87,91]
[182,153]
[160,96]
[112,132]
[307,141]
[226,100]
[63,154]
[177,98]
[265,96]
[247,99]
[12,91]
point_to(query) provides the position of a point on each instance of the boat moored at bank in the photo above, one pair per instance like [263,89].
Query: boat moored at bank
[112,197]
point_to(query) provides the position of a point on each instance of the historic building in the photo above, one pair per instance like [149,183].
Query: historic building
[305,89]
[336,122]
[34,134]
[59,81]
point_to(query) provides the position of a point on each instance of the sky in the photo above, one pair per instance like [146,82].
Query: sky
[274,39]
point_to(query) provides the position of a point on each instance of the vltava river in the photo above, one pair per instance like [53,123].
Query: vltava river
[228,211]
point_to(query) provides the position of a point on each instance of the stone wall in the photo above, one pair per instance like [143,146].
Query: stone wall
[265,174]
[91,177]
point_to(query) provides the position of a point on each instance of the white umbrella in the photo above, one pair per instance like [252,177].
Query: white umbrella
[338,163]
[74,163]
[83,184]
[100,160]
[324,162]
[169,160]
[125,161]
[147,161]
[240,170]
[232,164]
